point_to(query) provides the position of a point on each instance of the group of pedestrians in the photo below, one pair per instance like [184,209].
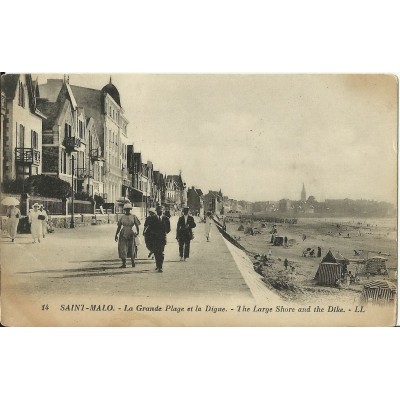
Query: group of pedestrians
[37,217]
[156,227]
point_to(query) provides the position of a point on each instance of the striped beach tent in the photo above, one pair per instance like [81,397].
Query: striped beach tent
[379,291]
[331,269]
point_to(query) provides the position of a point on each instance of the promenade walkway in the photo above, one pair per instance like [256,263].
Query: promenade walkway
[84,261]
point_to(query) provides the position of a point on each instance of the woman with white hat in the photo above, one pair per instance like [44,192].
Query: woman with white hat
[126,240]
[35,219]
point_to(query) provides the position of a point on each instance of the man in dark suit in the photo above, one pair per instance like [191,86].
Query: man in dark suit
[184,233]
[157,226]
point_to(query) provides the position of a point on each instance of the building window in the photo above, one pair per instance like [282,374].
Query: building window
[35,140]
[81,133]
[21,136]
[65,163]
[21,95]
[67,130]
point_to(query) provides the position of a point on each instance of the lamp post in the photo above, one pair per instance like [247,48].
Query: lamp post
[72,223]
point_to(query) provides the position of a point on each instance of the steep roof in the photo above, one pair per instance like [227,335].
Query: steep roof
[9,83]
[112,91]
[177,179]
[91,101]
[214,193]
[50,110]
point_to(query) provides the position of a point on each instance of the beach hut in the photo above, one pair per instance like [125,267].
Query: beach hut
[331,269]
[376,265]
[379,292]
[279,240]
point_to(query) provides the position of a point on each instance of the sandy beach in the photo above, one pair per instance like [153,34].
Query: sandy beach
[369,237]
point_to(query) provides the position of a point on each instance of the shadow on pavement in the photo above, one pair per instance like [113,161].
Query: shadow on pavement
[129,271]
[90,269]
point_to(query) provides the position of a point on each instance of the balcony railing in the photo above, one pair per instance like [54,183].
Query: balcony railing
[95,155]
[27,155]
[127,182]
[83,173]
[72,143]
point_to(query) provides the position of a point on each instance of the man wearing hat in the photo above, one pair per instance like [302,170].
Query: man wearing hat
[157,226]
[152,212]
[184,233]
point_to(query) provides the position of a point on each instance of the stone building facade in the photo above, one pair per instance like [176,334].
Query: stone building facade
[21,128]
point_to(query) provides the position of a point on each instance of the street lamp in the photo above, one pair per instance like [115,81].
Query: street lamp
[72,223]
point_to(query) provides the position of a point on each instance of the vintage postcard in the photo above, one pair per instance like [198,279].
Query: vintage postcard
[199,200]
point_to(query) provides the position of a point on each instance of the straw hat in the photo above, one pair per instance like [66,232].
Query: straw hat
[152,210]
[127,205]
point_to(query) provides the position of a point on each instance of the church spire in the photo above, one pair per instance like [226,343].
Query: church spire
[303,194]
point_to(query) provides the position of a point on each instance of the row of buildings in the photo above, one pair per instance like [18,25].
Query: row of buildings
[215,202]
[79,135]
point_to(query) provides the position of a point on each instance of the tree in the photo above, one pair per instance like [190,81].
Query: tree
[99,200]
[48,186]
[311,200]
[83,196]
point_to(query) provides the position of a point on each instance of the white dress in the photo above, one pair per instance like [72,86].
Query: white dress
[36,224]
[13,220]
[208,227]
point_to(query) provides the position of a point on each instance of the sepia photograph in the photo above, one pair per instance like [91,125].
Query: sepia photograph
[198,199]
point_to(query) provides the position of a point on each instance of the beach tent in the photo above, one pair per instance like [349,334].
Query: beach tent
[379,291]
[329,258]
[328,273]
[339,259]
[330,269]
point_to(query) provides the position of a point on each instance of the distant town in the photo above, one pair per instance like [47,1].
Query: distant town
[305,207]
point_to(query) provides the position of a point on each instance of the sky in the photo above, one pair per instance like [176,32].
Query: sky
[259,137]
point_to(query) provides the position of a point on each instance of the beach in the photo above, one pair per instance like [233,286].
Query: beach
[368,237]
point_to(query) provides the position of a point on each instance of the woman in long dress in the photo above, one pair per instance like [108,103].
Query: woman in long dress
[126,240]
[36,223]
[13,215]
[208,226]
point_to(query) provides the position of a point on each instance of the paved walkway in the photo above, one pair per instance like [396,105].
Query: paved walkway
[84,262]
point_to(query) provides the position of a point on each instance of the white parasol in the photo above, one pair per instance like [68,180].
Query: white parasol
[10,201]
